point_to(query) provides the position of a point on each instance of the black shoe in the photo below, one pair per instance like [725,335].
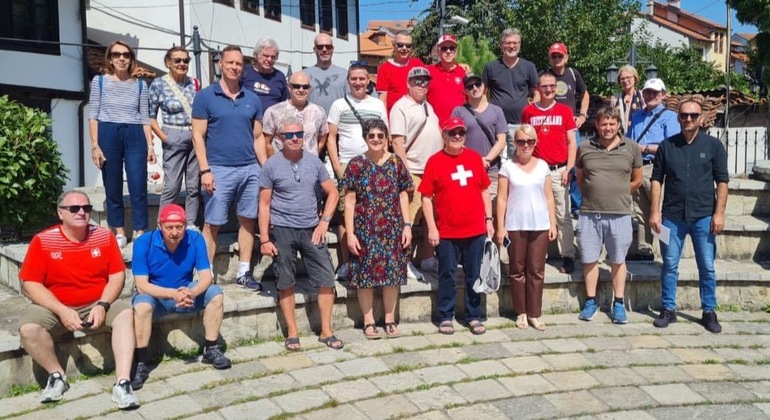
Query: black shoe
[666,317]
[641,257]
[567,266]
[709,321]
[213,356]
[141,376]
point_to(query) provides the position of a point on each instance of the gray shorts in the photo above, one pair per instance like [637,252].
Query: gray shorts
[611,230]
[317,260]
[232,184]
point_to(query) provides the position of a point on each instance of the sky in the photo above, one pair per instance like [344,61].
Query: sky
[404,9]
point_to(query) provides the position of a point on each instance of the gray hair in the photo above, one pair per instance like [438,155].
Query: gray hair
[402,32]
[63,196]
[510,32]
[289,118]
[266,43]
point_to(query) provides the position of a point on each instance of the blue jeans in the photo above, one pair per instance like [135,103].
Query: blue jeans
[124,143]
[704,244]
[449,252]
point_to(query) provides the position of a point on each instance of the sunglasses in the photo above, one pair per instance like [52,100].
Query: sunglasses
[293,135]
[456,132]
[557,56]
[528,142]
[420,82]
[372,136]
[324,47]
[691,115]
[295,169]
[451,48]
[403,45]
[126,55]
[299,86]
[473,85]
[181,60]
[358,64]
[75,208]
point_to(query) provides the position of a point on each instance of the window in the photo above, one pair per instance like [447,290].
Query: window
[342,19]
[251,6]
[36,20]
[307,14]
[225,2]
[273,9]
[325,15]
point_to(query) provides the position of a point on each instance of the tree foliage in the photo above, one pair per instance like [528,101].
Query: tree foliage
[681,68]
[475,54]
[757,13]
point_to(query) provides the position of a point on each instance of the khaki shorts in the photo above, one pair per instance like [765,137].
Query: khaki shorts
[36,314]
[415,204]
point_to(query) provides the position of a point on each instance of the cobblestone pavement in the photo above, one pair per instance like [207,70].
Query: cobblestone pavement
[573,369]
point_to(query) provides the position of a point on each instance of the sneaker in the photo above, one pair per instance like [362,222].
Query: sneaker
[55,387]
[213,356]
[589,310]
[567,266]
[619,313]
[429,264]
[412,273]
[666,317]
[710,322]
[343,271]
[141,376]
[194,228]
[122,240]
[123,395]
[248,281]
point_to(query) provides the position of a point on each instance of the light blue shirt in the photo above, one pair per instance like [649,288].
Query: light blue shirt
[664,127]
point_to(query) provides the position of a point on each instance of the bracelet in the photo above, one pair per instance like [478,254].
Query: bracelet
[205,171]
[408,224]
[266,242]
[489,219]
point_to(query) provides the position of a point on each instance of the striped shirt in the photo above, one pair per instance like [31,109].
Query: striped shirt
[163,98]
[119,102]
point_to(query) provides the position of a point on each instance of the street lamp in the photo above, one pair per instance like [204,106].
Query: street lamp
[217,70]
[633,59]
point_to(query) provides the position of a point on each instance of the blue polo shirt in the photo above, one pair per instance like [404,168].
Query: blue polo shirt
[664,127]
[169,269]
[230,134]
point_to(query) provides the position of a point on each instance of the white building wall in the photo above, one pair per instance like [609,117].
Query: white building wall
[65,126]
[643,30]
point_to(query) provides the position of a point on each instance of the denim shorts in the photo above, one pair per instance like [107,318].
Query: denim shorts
[317,260]
[163,307]
[239,184]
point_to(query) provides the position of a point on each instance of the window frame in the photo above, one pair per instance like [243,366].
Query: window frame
[321,17]
[49,43]
[274,17]
[310,7]
[254,11]
[337,20]
[228,3]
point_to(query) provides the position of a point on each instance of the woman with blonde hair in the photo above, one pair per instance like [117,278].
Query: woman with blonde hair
[119,127]
[630,99]
[526,216]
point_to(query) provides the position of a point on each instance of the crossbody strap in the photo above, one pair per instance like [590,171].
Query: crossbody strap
[355,112]
[489,135]
[419,130]
[652,121]
[178,94]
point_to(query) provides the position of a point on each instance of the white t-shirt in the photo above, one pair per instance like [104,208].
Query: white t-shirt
[350,138]
[526,208]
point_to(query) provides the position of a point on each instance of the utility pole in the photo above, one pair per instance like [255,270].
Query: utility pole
[442,12]
[181,24]
[727,67]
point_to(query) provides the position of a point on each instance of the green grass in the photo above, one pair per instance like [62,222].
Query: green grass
[17,390]
[710,362]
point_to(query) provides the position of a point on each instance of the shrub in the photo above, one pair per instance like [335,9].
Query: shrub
[33,174]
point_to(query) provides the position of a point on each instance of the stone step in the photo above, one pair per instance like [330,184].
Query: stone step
[748,197]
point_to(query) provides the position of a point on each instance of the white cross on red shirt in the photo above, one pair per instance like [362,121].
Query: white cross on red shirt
[462,175]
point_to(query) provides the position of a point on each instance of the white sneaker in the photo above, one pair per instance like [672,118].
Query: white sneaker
[412,273]
[122,241]
[55,387]
[429,264]
[342,273]
[123,395]
[193,227]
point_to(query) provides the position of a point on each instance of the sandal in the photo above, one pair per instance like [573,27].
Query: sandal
[537,324]
[446,327]
[521,322]
[375,334]
[391,330]
[477,328]
[332,342]
[291,344]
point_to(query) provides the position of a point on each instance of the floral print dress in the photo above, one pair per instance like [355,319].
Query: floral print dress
[378,222]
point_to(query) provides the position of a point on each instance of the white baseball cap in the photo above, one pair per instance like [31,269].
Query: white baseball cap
[654,84]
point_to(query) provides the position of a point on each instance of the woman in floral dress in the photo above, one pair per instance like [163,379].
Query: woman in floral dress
[376,212]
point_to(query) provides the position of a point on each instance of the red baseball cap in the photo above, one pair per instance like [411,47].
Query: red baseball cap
[172,213]
[447,38]
[558,48]
[452,123]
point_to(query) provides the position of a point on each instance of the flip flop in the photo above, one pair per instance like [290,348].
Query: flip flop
[375,335]
[477,328]
[291,341]
[391,330]
[446,327]
[330,342]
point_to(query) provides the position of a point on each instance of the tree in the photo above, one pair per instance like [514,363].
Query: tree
[475,54]
[757,13]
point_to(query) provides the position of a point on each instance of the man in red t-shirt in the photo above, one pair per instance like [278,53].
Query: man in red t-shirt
[392,74]
[458,213]
[73,274]
[446,90]
[555,127]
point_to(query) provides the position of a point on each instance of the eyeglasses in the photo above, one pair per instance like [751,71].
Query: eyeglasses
[115,54]
[691,115]
[378,136]
[324,47]
[75,208]
[456,132]
[181,60]
[420,82]
[471,86]
[403,45]
[557,56]
[358,64]
[450,48]
[295,169]
[293,135]
[511,43]
[627,78]
[299,86]
[528,142]
[547,87]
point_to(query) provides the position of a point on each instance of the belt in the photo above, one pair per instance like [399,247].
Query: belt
[179,127]
[557,166]
[647,162]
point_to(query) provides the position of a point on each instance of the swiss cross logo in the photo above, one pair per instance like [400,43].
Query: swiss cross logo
[462,175]
[56,255]
[96,252]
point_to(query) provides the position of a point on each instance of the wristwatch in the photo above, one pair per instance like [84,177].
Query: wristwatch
[105,305]
[326,219]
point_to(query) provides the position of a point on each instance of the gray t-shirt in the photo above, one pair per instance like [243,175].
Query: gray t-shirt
[493,119]
[327,85]
[509,87]
[294,202]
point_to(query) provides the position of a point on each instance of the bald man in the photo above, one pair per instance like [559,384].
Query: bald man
[329,81]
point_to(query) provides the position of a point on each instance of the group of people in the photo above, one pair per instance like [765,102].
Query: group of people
[472,158]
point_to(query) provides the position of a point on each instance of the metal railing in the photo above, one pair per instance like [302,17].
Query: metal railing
[745,146]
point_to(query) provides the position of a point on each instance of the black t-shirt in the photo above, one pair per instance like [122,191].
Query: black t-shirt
[570,88]
[509,87]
